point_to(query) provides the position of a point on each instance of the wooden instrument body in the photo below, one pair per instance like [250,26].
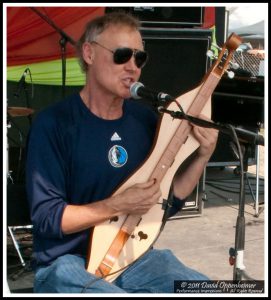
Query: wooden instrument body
[104,234]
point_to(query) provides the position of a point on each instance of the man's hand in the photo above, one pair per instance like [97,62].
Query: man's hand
[207,138]
[137,199]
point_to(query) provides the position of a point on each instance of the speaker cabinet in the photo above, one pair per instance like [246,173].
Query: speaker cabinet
[177,59]
[177,63]
[193,206]
[165,16]
[225,153]
[239,102]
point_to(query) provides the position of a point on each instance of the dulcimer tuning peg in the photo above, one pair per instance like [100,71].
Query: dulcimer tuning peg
[234,65]
[211,54]
[230,74]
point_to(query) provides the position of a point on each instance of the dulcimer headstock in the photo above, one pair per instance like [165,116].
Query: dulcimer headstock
[223,60]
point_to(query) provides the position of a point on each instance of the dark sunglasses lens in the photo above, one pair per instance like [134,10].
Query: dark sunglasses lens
[141,58]
[122,55]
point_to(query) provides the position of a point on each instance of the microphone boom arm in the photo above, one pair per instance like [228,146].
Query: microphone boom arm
[243,135]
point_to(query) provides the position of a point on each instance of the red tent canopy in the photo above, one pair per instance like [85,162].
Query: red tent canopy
[31,39]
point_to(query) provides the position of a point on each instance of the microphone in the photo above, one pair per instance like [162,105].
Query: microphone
[21,83]
[138,91]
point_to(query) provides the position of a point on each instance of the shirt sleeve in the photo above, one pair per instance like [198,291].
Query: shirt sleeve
[45,176]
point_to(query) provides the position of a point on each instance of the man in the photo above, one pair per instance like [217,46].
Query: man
[81,149]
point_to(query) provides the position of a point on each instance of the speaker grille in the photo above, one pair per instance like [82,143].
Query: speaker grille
[177,59]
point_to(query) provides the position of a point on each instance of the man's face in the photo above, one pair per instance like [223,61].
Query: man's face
[115,79]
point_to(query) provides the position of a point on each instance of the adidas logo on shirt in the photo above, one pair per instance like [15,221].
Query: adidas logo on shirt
[115,137]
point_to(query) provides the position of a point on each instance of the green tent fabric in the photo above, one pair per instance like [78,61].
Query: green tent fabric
[49,73]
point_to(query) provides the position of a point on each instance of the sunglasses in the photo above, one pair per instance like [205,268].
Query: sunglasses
[124,54]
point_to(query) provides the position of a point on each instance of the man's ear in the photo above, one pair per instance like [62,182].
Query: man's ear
[88,53]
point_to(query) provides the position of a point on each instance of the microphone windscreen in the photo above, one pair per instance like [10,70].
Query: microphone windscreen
[134,89]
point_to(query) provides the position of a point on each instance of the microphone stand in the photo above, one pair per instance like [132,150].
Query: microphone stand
[237,254]
[63,41]
[29,117]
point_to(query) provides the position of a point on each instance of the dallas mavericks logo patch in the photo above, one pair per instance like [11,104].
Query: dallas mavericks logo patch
[117,156]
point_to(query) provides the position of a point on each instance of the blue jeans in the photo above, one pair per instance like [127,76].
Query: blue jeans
[155,272]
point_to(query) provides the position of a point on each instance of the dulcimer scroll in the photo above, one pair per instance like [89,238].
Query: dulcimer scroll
[117,243]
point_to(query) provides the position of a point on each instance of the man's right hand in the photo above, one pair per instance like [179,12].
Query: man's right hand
[137,199]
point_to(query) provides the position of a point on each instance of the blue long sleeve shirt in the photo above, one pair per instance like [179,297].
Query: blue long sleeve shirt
[75,157]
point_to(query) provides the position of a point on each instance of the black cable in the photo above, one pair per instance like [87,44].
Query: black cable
[231,180]
[230,187]
[236,191]
[225,187]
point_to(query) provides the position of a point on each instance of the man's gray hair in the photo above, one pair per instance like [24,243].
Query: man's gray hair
[98,25]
